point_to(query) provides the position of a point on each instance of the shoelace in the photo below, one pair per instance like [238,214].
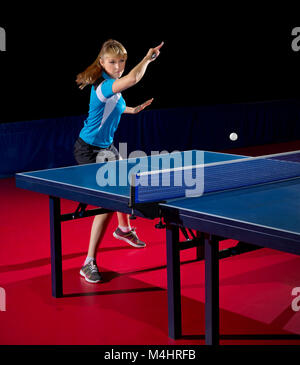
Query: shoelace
[94,267]
[132,230]
[133,234]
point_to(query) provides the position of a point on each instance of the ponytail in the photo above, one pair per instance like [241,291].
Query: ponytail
[90,75]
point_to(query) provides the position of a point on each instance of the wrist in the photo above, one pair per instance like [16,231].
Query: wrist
[146,59]
[137,109]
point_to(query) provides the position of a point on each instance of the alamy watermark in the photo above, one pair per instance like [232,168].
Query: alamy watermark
[2,39]
[162,169]
[296,41]
[2,300]
[296,301]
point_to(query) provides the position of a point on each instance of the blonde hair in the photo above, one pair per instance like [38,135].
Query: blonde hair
[93,72]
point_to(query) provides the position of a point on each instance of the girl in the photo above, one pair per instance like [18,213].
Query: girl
[95,142]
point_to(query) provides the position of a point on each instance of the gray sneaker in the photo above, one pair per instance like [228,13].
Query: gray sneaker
[90,272]
[129,237]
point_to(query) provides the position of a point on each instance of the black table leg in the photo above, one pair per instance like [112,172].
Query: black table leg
[211,251]
[55,241]
[200,246]
[173,277]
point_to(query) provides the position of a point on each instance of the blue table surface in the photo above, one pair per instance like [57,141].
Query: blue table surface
[275,205]
[85,176]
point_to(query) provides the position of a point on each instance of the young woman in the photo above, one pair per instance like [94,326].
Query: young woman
[95,142]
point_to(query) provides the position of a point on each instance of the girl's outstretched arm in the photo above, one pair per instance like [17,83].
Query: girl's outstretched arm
[135,75]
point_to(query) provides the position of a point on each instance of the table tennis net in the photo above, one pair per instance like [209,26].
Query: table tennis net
[192,181]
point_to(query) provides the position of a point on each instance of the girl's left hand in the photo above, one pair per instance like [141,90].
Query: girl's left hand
[153,53]
[142,106]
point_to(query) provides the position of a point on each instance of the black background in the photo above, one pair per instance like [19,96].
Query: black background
[210,56]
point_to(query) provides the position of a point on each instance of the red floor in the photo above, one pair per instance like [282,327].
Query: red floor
[130,307]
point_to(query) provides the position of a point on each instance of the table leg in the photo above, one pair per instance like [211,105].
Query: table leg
[173,278]
[200,247]
[55,241]
[211,251]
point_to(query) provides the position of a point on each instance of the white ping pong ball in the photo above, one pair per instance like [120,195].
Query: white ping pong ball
[233,136]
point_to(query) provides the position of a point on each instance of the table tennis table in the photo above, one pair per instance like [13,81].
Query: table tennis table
[263,214]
